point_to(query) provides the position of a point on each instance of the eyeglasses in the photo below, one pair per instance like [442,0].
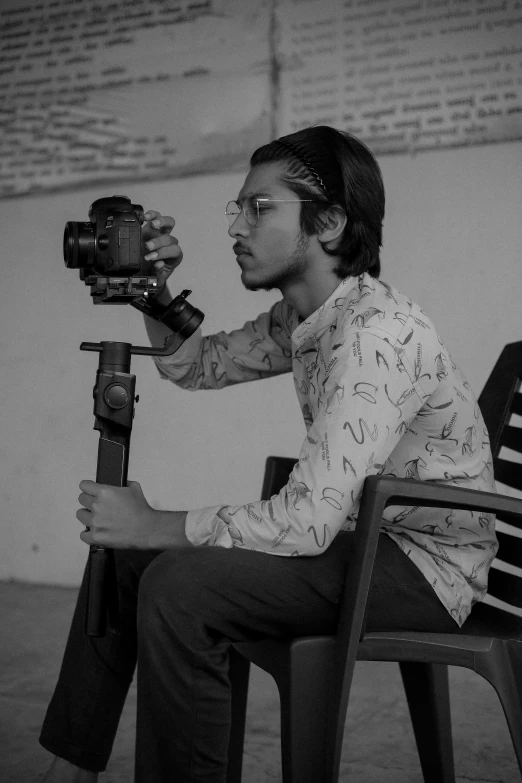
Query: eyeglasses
[252,206]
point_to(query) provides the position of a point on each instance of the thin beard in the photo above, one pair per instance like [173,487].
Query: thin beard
[291,266]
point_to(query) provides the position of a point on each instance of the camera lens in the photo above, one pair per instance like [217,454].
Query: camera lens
[78,245]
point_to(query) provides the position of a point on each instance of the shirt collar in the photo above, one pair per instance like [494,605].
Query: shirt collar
[325,315]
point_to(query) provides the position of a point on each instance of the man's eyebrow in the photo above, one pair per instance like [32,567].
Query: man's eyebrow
[254,194]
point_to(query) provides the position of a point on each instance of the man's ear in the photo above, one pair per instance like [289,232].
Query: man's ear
[332,223]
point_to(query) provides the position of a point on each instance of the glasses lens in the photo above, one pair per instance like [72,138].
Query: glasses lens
[250,211]
[232,211]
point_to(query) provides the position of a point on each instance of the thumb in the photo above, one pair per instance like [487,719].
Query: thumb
[163,272]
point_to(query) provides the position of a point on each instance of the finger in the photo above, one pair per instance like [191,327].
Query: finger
[84,516]
[86,537]
[90,487]
[135,488]
[162,243]
[162,223]
[155,244]
[163,240]
[151,214]
[86,501]
[167,265]
[172,254]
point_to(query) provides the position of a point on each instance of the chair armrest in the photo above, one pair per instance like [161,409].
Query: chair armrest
[396,491]
[382,491]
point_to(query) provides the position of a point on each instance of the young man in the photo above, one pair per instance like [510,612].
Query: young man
[379,393]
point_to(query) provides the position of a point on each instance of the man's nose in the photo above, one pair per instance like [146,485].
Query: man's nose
[240,227]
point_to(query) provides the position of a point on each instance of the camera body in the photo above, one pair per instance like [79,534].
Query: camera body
[108,250]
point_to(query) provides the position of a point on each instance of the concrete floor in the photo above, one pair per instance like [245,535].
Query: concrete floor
[379,745]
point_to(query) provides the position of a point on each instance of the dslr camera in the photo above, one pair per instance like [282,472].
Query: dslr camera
[108,250]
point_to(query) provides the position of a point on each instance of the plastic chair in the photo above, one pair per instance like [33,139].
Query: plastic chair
[314,674]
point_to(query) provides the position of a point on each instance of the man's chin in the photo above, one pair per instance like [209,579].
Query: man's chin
[251,284]
[258,286]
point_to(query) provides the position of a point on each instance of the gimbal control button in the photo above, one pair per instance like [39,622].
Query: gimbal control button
[116,396]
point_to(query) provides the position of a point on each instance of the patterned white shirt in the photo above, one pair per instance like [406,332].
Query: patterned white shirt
[379,394]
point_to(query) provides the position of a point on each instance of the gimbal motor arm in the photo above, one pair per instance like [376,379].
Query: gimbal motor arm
[180,316]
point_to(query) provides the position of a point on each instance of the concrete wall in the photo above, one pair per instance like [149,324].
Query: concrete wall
[452,242]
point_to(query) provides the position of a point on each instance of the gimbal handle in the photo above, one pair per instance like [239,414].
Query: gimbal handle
[113,412]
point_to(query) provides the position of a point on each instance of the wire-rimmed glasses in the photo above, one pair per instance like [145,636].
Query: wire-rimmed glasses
[251,206]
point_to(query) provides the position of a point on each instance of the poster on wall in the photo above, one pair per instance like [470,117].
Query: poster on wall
[402,76]
[99,91]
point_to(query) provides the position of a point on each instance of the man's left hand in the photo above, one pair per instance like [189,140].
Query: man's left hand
[118,517]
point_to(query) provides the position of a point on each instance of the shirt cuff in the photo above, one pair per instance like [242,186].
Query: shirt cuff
[203,527]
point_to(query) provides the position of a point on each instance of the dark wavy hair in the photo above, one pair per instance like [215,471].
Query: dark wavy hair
[334,167]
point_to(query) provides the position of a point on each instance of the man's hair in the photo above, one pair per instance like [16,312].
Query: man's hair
[337,169]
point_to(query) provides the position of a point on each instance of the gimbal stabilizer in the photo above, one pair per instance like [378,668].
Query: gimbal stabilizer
[113,412]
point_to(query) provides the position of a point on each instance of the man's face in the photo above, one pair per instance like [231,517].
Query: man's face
[273,253]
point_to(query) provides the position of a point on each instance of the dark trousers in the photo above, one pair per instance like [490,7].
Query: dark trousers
[180,610]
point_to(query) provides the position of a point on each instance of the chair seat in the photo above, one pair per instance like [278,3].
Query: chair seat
[457,649]
[274,656]
[485,622]
[485,628]
[449,649]
[476,635]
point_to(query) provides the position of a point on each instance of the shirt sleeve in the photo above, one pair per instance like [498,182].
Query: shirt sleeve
[203,526]
[367,402]
[260,349]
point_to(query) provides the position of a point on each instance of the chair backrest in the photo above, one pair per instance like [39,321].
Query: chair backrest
[277,471]
[500,401]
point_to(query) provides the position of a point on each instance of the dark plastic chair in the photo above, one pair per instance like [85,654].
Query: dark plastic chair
[314,674]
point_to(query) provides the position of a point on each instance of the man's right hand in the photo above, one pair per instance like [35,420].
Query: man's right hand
[164,249]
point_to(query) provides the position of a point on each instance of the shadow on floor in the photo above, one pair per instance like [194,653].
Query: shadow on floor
[379,746]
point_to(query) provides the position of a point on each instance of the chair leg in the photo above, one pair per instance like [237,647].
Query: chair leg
[427,691]
[239,672]
[304,701]
[502,667]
